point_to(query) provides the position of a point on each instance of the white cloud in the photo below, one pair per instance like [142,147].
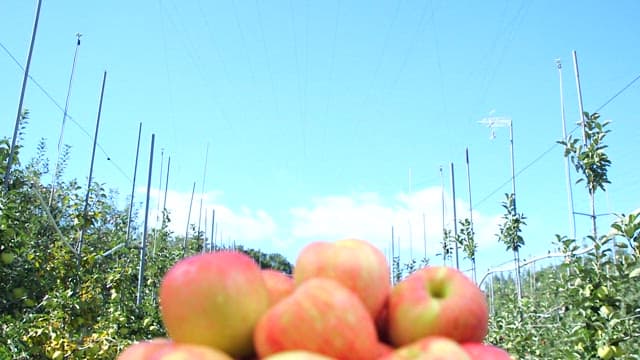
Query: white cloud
[246,226]
[414,217]
[367,216]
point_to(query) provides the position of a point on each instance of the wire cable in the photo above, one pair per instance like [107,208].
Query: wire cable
[46,93]
[546,152]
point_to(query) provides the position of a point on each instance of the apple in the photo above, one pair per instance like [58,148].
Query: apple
[320,316]
[7,257]
[437,300]
[480,351]
[165,349]
[214,299]
[354,263]
[279,285]
[143,350]
[297,355]
[382,322]
[382,349]
[430,348]
[189,352]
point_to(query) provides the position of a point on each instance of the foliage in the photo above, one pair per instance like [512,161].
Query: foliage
[590,159]
[588,155]
[58,304]
[466,239]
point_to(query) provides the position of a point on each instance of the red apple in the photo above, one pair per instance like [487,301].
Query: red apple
[429,348]
[480,351]
[214,299]
[279,285]
[356,264]
[297,355]
[320,316]
[382,349]
[437,301]
[143,350]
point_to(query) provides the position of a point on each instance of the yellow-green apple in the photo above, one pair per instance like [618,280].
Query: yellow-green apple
[214,299]
[429,348]
[144,349]
[356,264]
[279,285]
[320,316]
[7,257]
[297,355]
[437,300]
[481,351]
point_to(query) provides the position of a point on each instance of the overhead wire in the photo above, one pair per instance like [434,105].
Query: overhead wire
[332,61]
[68,116]
[553,146]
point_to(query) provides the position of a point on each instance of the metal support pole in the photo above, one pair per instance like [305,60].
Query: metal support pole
[133,185]
[143,246]
[455,220]
[567,171]
[579,89]
[22,91]
[93,156]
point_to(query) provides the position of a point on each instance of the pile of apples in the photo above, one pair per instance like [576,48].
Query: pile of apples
[339,304]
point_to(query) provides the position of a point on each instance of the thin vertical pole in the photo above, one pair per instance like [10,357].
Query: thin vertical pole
[155,238]
[469,187]
[166,189]
[133,185]
[64,120]
[424,235]
[410,242]
[455,220]
[22,91]
[204,241]
[186,234]
[93,155]
[143,246]
[393,257]
[513,168]
[444,237]
[515,211]
[572,215]
[579,89]
[213,222]
[204,177]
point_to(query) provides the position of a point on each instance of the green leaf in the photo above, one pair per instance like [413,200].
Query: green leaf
[635,273]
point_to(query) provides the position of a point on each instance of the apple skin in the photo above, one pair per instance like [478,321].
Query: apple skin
[297,355]
[189,352]
[321,316]
[279,285]
[480,351]
[144,349]
[214,299]
[429,348]
[437,300]
[354,263]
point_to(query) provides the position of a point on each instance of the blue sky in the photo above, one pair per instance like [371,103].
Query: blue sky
[330,119]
